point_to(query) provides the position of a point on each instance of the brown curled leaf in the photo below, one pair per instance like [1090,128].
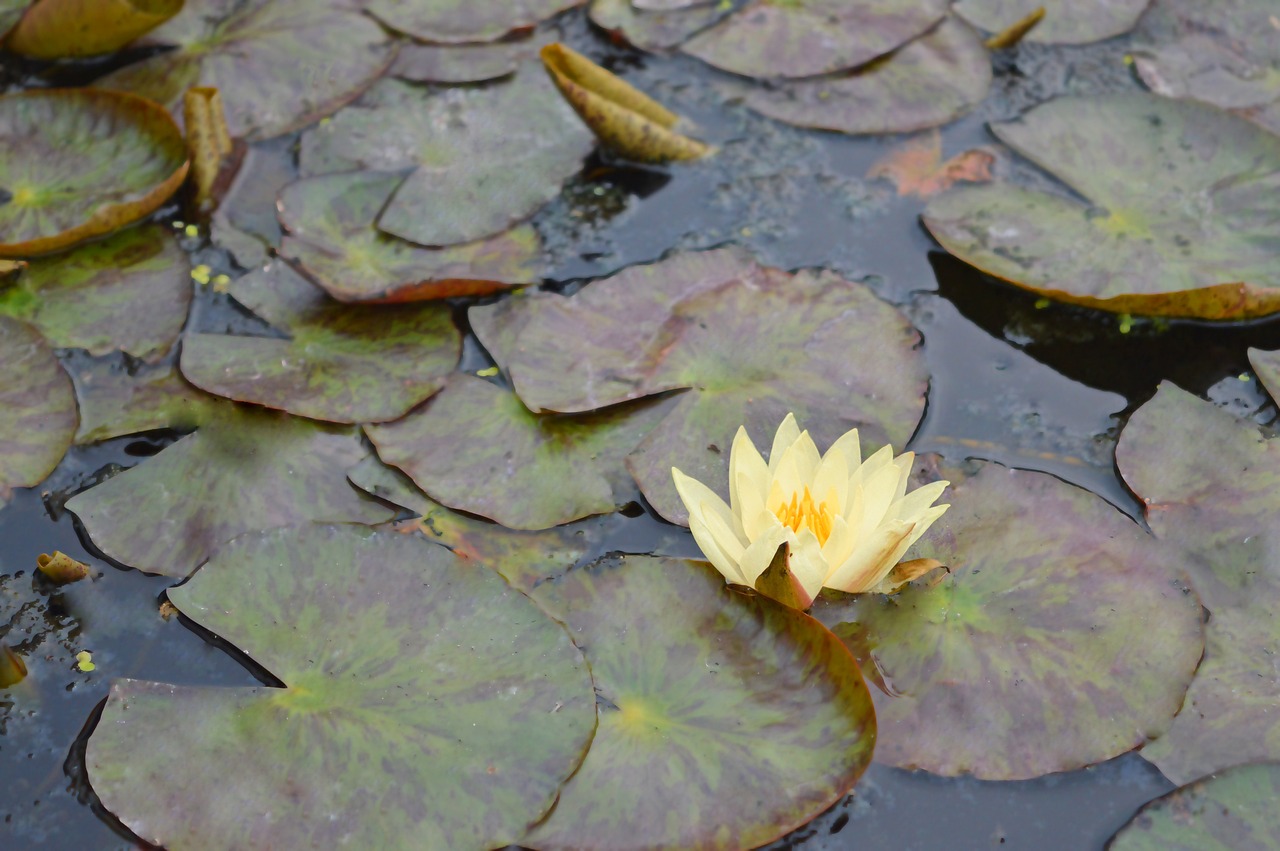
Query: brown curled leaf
[12,669]
[916,167]
[1011,35]
[207,137]
[60,568]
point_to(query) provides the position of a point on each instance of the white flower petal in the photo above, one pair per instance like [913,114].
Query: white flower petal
[746,465]
[924,521]
[709,543]
[694,493]
[872,558]
[918,501]
[751,508]
[903,462]
[840,543]
[806,456]
[788,433]
[761,552]
[881,458]
[807,563]
[831,481]
[877,494]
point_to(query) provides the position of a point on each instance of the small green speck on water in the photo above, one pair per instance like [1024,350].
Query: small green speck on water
[84,661]
[488,372]
[1042,303]
[1126,323]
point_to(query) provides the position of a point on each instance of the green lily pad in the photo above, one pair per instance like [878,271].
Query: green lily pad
[482,159]
[88,298]
[1065,21]
[725,720]
[681,325]
[1229,811]
[37,408]
[278,64]
[1209,482]
[331,237]
[341,363]
[523,558]
[928,82]
[1061,636]
[804,38]
[1226,54]
[80,163]
[553,468]
[1179,216]
[458,21]
[426,704]
[654,30]
[246,470]
[116,400]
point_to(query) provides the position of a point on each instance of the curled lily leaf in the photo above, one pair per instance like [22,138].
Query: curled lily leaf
[62,29]
[207,137]
[12,669]
[60,568]
[622,117]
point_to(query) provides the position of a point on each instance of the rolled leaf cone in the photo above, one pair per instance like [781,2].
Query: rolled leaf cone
[208,138]
[60,568]
[12,669]
[65,29]
[781,584]
[624,118]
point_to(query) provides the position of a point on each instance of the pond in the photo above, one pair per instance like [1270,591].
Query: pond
[1114,580]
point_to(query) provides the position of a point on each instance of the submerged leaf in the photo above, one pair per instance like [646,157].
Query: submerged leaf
[915,167]
[425,704]
[1065,21]
[115,400]
[64,29]
[656,29]
[623,117]
[464,63]
[457,21]
[37,408]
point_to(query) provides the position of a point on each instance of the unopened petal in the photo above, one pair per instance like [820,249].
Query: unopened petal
[788,432]
[872,558]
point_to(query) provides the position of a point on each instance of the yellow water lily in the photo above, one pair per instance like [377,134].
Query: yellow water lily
[846,522]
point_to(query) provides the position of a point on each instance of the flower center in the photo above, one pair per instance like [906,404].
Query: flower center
[802,513]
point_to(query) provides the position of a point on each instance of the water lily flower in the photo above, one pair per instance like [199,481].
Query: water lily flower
[845,522]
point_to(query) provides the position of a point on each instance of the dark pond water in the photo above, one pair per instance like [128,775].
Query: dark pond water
[1043,388]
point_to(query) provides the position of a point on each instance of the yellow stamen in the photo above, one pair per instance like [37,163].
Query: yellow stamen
[801,512]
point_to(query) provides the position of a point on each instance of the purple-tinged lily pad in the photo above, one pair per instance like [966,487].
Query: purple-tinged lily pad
[245,221]
[726,720]
[465,63]
[1209,482]
[480,159]
[1065,21]
[88,298]
[331,237]
[804,38]
[245,470]
[553,468]
[116,400]
[278,64]
[1226,53]
[340,363]
[1232,810]
[461,21]
[747,343]
[426,704]
[930,81]
[37,408]
[80,163]
[1062,636]
[1181,201]
[654,30]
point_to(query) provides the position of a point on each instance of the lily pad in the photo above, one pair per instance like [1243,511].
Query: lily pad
[246,470]
[1226,54]
[10,12]
[482,159]
[1209,482]
[1229,811]
[804,38]
[88,298]
[654,30]
[340,363]
[456,21]
[279,64]
[37,408]
[825,349]
[465,63]
[1060,638]
[245,221]
[725,720]
[62,29]
[426,704]
[929,81]
[331,237]
[553,468]
[116,400]
[80,163]
[1065,21]
[1178,219]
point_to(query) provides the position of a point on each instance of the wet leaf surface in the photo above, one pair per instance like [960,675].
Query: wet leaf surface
[804,38]
[37,408]
[1178,214]
[454,21]
[425,704]
[1065,21]
[1208,481]
[1061,637]
[464,63]
[88,298]
[479,160]
[1232,810]
[553,468]
[331,236]
[280,64]
[725,720]
[1226,54]
[654,30]
[915,167]
[80,163]
[681,325]
[117,399]
[61,29]
[246,470]
[340,363]
[932,80]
